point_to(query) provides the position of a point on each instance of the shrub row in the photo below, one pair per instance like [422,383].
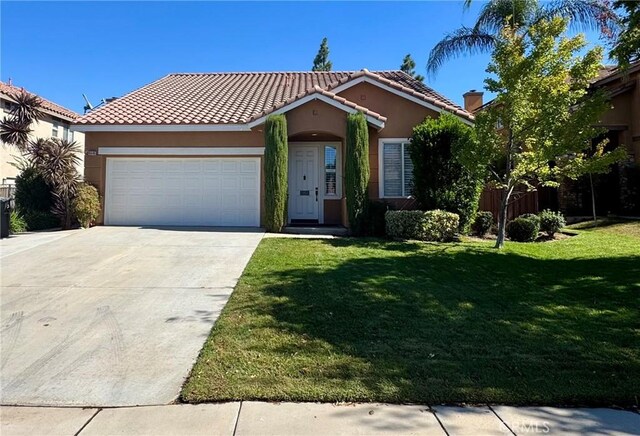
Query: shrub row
[433,225]
[525,228]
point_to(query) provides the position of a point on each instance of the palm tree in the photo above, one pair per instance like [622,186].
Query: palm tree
[15,129]
[56,161]
[520,14]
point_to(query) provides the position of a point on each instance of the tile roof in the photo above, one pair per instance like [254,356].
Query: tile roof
[610,73]
[9,91]
[318,90]
[238,98]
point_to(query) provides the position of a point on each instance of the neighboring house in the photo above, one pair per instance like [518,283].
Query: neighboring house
[188,149]
[55,123]
[616,192]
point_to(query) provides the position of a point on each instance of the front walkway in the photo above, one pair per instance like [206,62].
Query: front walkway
[298,419]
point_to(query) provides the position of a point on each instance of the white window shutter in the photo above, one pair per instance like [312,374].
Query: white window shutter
[392,171]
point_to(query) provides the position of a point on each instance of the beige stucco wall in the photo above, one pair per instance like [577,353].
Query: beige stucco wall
[402,116]
[41,129]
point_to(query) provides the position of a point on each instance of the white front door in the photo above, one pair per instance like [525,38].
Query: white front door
[303,183]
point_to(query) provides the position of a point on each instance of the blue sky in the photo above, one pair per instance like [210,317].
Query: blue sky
[106,49]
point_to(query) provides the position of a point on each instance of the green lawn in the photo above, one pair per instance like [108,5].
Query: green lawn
[373,320]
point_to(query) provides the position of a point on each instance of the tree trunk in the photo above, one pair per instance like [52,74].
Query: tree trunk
[506,195]
[593,199]
[502,216]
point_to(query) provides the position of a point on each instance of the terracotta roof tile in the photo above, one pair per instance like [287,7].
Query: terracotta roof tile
[237,98]
[318,90]
[9,91]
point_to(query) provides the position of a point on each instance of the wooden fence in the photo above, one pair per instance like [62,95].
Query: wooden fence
[7,191]
[521,203]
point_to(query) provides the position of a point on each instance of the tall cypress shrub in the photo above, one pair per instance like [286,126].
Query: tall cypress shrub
[275,169]
[356,171]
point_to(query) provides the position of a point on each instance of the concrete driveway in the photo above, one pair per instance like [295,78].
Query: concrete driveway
[111,316]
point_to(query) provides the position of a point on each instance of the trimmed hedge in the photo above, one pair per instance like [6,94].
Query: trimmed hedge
[356,171]
[432,225]
[483,223]
[86,204]
[551,222]
[275,172]
[523,229]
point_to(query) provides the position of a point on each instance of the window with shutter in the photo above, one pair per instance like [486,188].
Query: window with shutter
[397,169]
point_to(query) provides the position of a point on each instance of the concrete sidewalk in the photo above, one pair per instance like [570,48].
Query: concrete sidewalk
[298,419]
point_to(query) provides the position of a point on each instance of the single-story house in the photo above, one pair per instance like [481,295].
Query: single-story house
[188,149]
[55,123]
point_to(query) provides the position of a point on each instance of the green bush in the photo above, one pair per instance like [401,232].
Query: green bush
[85,205]
[375,221]
[551,222]
[483,223]
[433,225]
[356,171]
[275,168]
[523,229]
[530,216]
[17,224]
[32,192]
[40,220]
[440,181]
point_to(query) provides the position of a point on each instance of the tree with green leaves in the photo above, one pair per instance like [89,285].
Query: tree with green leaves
[356,171]
[440,181]
[544,117]
[626,46]
[409,67]
[321,61]
[520,14]
[276,155]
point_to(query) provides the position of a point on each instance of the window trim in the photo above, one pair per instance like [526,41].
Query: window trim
[55,126]
[381,143]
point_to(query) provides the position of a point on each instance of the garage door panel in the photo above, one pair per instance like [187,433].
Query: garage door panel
[183,191]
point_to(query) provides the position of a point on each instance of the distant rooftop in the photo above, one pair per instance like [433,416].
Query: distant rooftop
[9,92]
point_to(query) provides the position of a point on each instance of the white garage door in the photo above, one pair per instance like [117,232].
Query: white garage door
[183,192]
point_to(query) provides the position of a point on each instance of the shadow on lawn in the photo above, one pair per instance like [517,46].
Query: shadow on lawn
[467,325]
